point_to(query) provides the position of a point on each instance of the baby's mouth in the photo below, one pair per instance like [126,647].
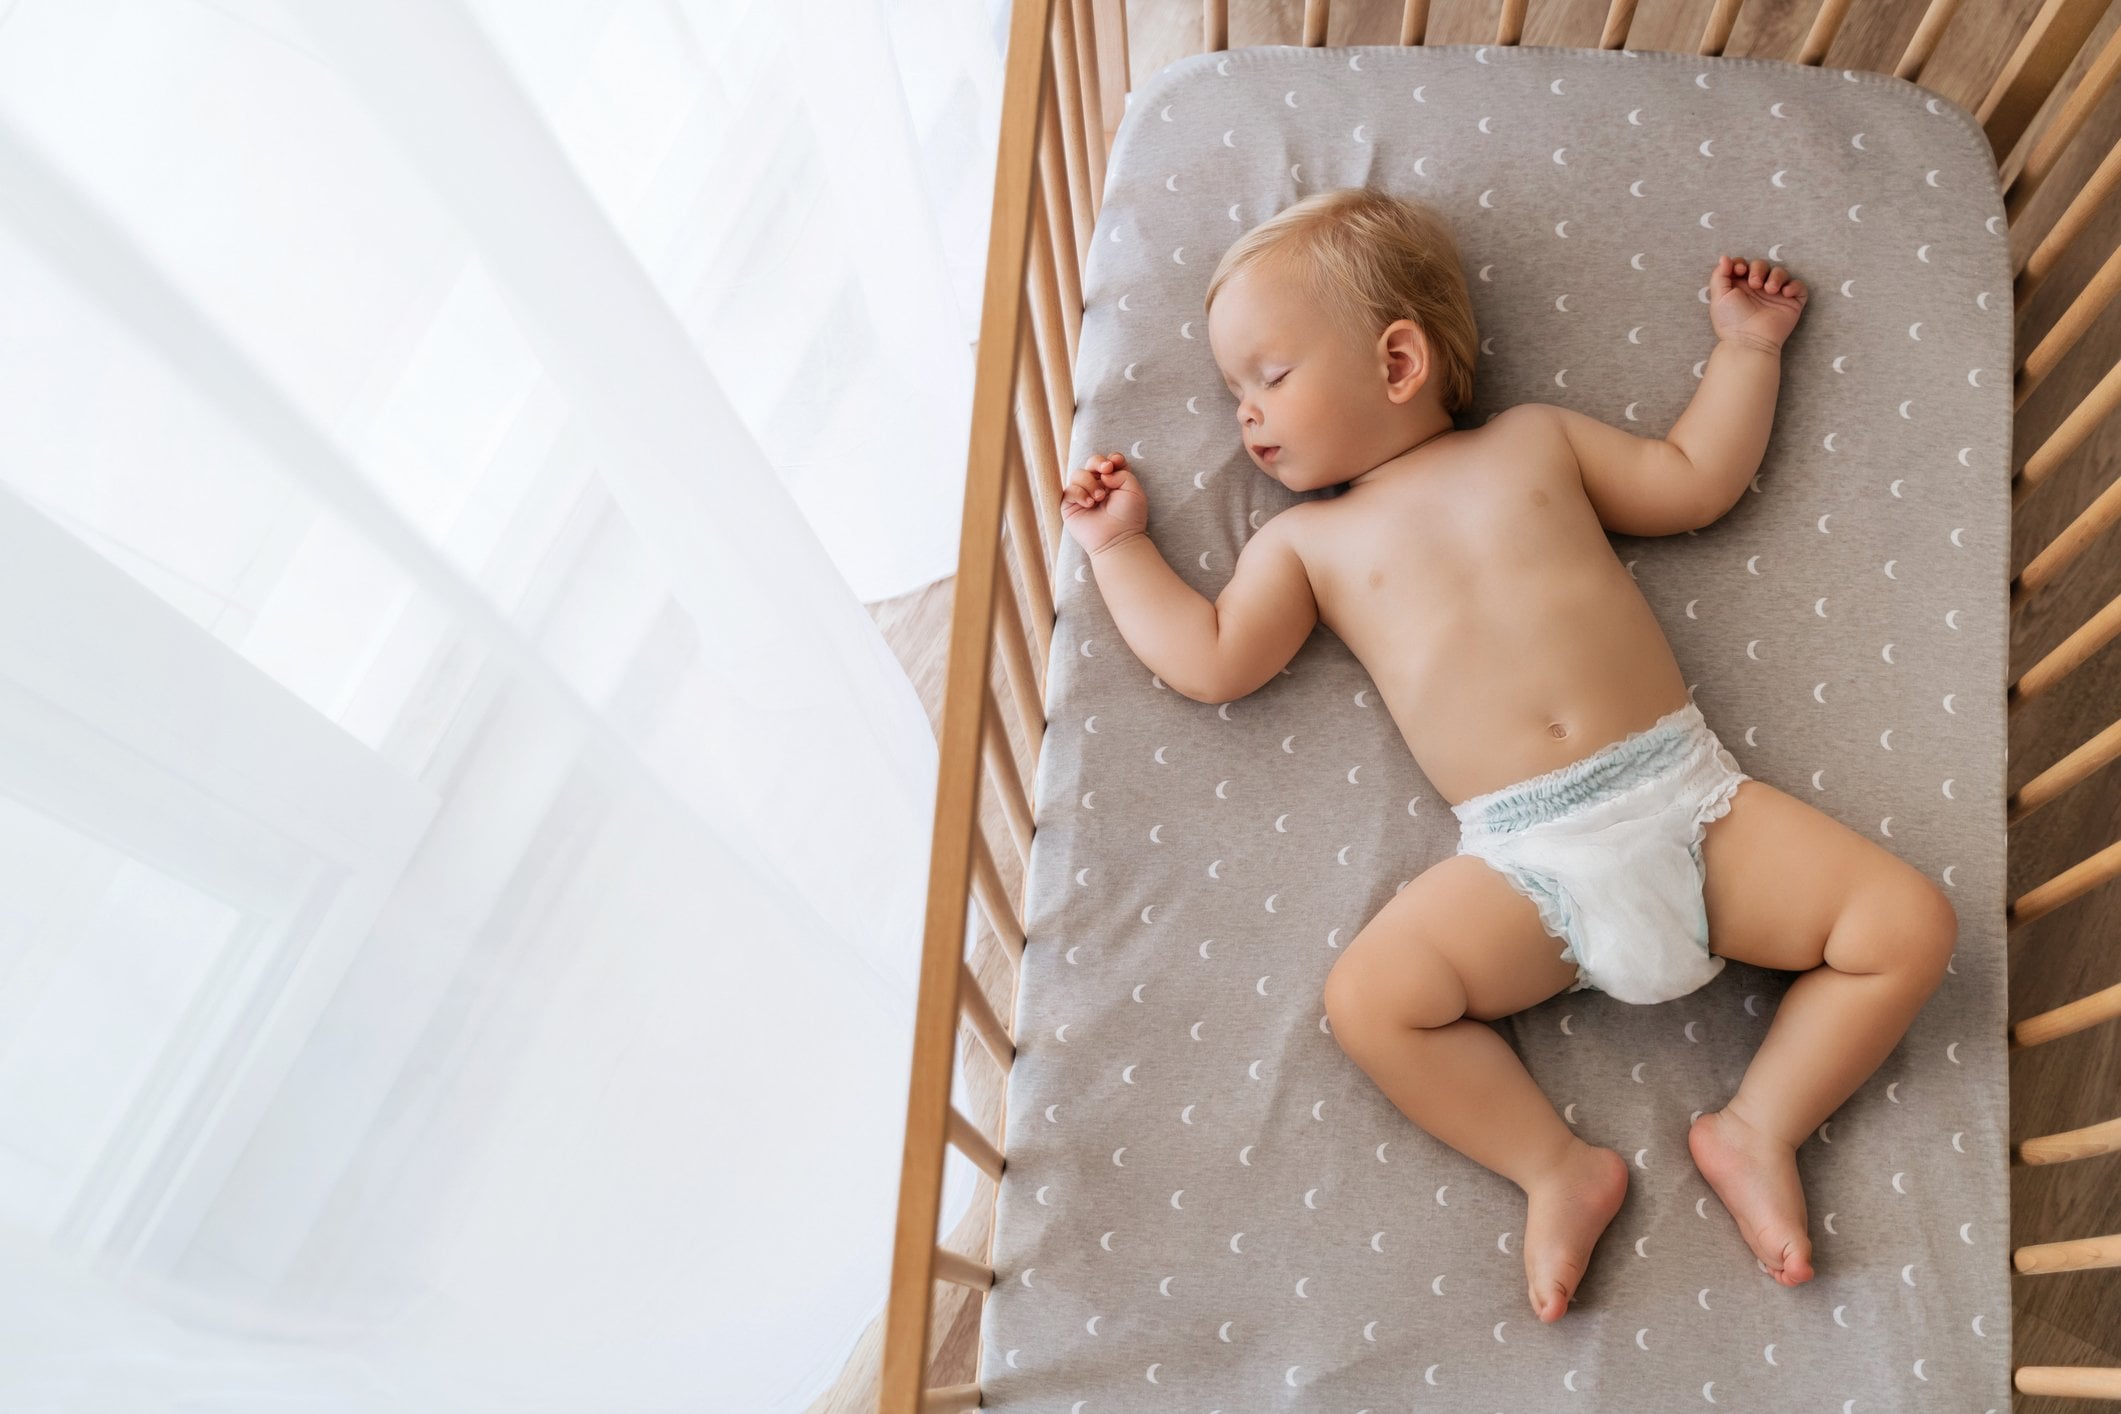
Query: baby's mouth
[1265,454]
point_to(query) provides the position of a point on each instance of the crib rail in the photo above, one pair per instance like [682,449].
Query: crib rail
[1066,81]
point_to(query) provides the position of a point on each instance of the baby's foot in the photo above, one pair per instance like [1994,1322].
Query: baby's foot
[1755,1174]
[1567,1209]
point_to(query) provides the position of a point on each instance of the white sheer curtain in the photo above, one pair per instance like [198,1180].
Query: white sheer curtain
[462,840]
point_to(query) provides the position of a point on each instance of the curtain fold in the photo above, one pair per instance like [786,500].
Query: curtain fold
[463,844]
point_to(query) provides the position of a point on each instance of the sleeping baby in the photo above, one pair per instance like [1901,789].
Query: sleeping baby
[1607,839]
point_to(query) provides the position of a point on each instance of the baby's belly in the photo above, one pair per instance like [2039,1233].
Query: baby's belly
[1487,699]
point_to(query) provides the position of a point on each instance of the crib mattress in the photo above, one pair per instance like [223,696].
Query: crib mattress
[1206,1205]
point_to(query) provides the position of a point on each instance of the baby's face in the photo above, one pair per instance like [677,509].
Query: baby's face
[1312,402]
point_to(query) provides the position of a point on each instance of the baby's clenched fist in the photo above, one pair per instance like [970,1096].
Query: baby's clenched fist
[1103,504]
[1750,303]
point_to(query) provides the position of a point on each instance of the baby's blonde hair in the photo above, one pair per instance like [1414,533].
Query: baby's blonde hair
[1373,258]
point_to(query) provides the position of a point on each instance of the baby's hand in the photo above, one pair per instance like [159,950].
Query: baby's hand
[1752,304]
[1103,504]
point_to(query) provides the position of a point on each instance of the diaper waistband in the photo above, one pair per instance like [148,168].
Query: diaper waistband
[1639,756]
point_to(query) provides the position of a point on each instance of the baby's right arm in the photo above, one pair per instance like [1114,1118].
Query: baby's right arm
[1209,652]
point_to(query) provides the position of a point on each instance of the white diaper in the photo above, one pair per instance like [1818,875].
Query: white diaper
[1609,848]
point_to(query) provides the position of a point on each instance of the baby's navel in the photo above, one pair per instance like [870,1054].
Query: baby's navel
[1557,729]
[1539,498]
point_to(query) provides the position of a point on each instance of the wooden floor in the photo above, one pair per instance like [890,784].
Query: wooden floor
[2064,1319]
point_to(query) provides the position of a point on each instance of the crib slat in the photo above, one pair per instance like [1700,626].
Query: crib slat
[1826,23]
[1314,23]
[1924,44]
[2067,1019]
[956,1267]
[1093,102]
[2090,302]
[2070,435]
[993,897]
[2069,1381]
[1034,432]
[2079,879]
[2081,1255]
[955,847]
[1113,80]
[1509,27]
[1030,549]
[950,1399]
[2049,146]
[964,1135]
[972,1001]
[1414,22]
[1068,87]
[2101,750]
[1060,235]
[2068,656]
[1008,785]
[1025,688]
[2082,1143]
[1047,324]
[2040,261]
[1619,18]
[1214,25]
[1717,33]
[2076,537]
[2043,55]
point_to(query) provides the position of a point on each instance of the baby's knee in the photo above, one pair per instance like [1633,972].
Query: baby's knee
[1913,926]
[1376,988]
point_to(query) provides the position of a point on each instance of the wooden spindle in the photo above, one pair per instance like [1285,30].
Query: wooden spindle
[1048,324]
[2082,1255]
[1034,432]
[1068,257]
[1924,44]
[1093,103]
[2084,1143]
[962,1270]
[2054,139]
[2040,261]
[2043,55]
[1008,783]
[2072,883]
[2091,301]
[2069,1381]
[1214,25]
[993,897]
[964,1135]
[1414,22]
[1717,32]
[1025,688]
[1068,88]
[1619,18]
[1826,23]
[2067,656]
[1030,548]
[2067,1019]
[1314,23]
[2082,420]
[2078,766]
[2091,523]
[1509,26]
[985,1021]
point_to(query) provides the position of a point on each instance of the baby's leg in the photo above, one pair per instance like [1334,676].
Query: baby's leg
[1455,945]
[1790,887]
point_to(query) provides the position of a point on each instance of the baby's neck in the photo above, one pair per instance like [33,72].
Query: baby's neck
[1436,425]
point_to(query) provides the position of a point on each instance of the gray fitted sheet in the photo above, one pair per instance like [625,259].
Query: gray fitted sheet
[1207,1206]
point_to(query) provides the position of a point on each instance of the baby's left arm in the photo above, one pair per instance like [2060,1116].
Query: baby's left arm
[1724,430]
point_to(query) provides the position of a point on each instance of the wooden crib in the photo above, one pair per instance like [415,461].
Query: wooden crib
[1066,80]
